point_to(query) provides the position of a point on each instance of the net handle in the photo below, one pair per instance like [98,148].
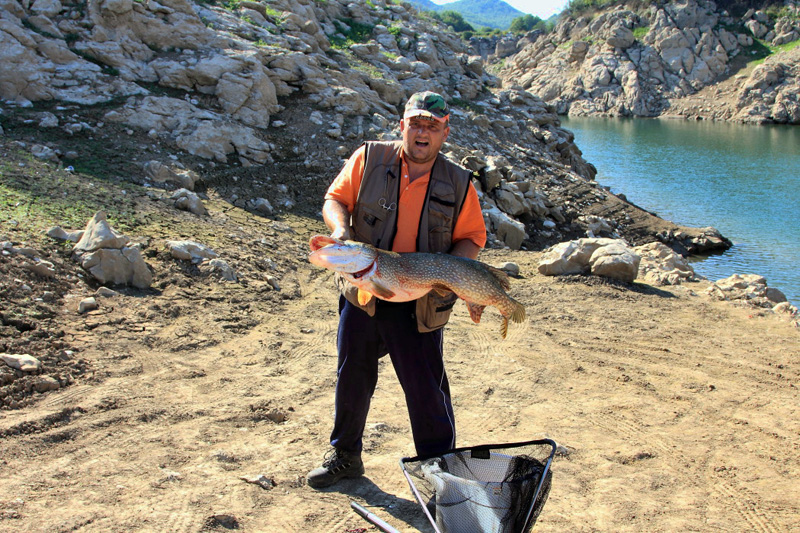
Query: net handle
[539,487]
[417,495]
[372,518]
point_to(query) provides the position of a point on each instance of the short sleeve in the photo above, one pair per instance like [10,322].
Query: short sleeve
[345,186]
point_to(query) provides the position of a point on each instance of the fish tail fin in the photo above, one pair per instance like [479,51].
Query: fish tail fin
[518,313]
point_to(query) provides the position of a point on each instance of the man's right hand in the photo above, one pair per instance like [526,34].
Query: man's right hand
[337,218]
[342,233]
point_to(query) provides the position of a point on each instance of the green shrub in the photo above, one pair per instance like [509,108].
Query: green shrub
[776,12]
[577,7]
[639,33]
[465,104]
[354,32]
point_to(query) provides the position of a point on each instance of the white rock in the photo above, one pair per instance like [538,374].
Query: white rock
[616,261]
[24,362]
[571,257]
[44,384]
[190,251]
[46,269]
[99,234]
[221,267]
[124,266]
[87,304]
[60,234]
[189,201]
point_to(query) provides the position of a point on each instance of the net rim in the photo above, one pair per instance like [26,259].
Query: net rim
[483,447]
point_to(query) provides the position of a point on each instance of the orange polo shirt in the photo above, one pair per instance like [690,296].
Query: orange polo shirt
[469,225]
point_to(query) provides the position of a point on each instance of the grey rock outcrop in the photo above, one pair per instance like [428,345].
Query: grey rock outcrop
[645,61]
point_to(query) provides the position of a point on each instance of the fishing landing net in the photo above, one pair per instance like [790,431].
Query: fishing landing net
[491,488]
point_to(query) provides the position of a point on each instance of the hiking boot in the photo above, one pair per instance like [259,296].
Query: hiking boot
[338,464]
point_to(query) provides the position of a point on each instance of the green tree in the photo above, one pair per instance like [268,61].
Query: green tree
[525,23]
[455,20]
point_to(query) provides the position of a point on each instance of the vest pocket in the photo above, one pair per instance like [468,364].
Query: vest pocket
[370,226]
[433,311]
[441,216]
[440,238]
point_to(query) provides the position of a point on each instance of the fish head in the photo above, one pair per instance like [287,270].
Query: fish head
[341,256]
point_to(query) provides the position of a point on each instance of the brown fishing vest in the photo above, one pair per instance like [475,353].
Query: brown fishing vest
[374,218]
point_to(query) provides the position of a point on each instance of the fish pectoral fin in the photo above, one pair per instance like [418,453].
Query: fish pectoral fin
[504,328]
[363,297]
[475,311]
[441,290]
[381,291]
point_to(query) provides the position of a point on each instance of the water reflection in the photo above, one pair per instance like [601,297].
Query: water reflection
[743,180]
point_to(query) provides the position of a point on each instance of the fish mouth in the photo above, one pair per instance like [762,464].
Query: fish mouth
[321,241]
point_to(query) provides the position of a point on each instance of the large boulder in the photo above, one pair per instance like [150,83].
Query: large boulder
[571,257]
[615,261]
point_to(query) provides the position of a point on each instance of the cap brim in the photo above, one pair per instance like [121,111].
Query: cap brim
[425,114]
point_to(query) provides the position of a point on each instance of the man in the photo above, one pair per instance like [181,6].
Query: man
[407,197]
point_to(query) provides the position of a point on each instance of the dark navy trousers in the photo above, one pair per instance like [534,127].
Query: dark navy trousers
[418,363]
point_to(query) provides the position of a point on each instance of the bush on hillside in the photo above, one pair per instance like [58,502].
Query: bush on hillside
[454,19]
[527,23]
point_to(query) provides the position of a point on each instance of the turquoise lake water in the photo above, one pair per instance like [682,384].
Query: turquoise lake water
[742,180]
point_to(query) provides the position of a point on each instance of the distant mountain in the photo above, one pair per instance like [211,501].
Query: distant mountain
[490,13]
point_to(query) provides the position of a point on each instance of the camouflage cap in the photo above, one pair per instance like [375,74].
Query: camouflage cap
[429,105]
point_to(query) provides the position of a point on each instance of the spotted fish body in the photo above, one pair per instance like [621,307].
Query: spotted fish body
[402,277]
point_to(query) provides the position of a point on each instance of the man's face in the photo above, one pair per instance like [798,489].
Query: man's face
[423,138]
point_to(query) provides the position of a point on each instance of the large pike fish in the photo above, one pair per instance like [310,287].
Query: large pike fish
[402,277]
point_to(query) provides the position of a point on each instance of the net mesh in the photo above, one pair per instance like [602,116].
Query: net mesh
[493,489]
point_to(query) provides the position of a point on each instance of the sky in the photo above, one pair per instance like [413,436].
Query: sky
[543,9]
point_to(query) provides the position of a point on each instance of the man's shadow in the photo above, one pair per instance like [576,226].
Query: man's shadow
[382,503]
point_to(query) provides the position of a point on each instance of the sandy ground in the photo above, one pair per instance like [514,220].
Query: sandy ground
[674,412]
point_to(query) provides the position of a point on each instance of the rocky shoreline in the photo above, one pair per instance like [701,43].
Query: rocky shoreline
[261,105]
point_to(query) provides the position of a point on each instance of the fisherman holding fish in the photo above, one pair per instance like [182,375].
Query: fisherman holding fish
[403,196]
